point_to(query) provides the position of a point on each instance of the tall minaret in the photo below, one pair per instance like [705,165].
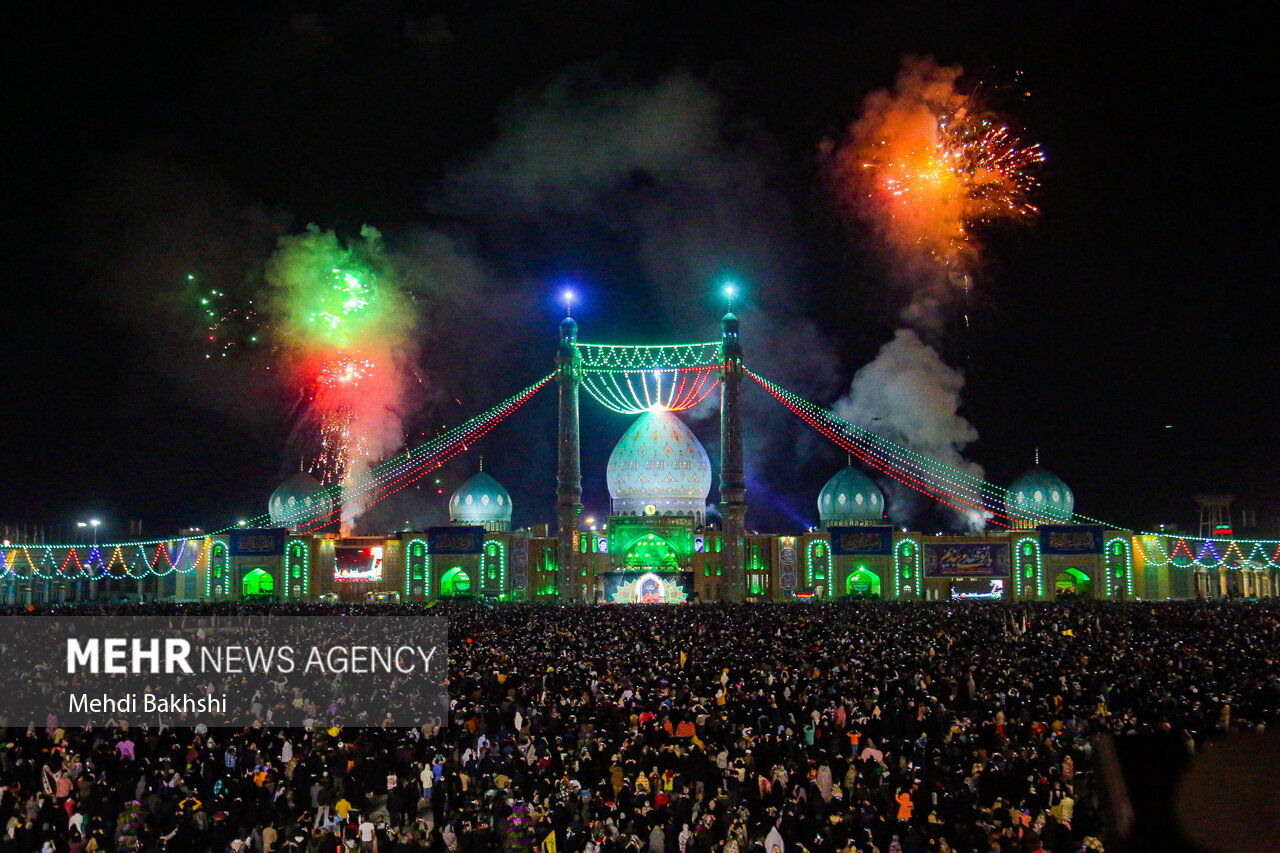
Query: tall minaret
[733,484]
[568,457]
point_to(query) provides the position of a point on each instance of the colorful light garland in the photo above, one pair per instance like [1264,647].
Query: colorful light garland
[672,390]
[970,494]
[386,479]
[610,357]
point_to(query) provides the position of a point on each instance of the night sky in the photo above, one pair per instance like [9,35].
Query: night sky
[1129,333]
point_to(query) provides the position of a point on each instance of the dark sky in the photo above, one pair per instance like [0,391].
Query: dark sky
[1138,302]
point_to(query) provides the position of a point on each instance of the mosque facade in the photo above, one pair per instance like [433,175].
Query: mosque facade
[659,544]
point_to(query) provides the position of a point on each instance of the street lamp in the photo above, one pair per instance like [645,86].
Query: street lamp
[93,523]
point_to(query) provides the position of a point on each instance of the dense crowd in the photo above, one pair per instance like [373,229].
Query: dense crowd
[865,726]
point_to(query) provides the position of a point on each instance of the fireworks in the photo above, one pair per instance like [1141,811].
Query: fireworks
[340,444]
[345,340]
[345,371]
[230,323]
[342,296]
[927,163]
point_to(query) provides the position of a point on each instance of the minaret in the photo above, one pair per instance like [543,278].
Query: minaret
[568,457]
[733,485]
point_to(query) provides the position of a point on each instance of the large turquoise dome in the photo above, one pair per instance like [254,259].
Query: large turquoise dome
[481,500]
[850,497]
[1039,496]
[660,464]
[298,500]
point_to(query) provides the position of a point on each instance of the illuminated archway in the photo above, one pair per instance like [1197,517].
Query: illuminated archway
[455,582]
[862,582]
[651,552]
[1072,581]
[257,582]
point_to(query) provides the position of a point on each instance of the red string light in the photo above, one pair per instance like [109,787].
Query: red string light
[884,465]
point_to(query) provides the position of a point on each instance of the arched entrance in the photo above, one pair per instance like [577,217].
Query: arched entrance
[862,584]
[1072,582]
[257,583]
[455,582]
[651,552]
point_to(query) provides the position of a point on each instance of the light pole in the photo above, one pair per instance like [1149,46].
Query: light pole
[92,523]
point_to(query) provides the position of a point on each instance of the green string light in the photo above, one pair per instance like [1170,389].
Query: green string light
[986,491]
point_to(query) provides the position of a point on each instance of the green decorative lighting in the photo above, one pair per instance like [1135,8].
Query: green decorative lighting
[1027,560]
[417,566]
[298,565]
[611,357]
[906,566]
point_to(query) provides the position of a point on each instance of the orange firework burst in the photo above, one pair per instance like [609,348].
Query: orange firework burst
[345,371]
[926,163]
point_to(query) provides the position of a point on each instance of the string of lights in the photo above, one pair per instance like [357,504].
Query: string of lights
[402,470]
[672,390]
[610,357]
[967,493]
[379,482]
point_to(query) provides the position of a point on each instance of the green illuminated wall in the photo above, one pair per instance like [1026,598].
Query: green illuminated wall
[665,541]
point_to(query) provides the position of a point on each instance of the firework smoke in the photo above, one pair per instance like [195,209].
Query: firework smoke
[345,335]
[923,167]
[908,395]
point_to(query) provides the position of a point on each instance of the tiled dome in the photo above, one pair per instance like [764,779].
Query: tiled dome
[481,500]
[659,463]
[850,497]
[298,500]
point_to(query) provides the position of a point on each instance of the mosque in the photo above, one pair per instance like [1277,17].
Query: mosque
[658,545]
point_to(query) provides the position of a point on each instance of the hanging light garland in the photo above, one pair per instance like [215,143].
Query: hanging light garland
[970,494]
[162,557]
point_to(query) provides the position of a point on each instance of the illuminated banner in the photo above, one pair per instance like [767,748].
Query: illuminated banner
[455,540]
[862,540]
[966,560]
[1071,538]
[647,587]
[267,542]
[357,565]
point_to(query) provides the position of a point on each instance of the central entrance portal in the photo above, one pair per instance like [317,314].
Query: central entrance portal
[648,587]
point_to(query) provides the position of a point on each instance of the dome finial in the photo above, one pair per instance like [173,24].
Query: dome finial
[850,460]
[481,461]
[1037,455]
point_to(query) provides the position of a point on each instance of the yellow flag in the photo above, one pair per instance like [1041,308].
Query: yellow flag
[549,843]
[683,659]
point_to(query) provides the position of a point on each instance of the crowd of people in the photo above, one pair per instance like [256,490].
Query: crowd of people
[718,728]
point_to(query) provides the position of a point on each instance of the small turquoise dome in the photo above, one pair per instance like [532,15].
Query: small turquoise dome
[850,497]
[1039,496]
[298,500]
[568,336]
[659,463]
[482,501]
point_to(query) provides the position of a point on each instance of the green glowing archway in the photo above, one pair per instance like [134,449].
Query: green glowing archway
[651,552]
[455,582]
[257,582]
[1072,581]
[862,583]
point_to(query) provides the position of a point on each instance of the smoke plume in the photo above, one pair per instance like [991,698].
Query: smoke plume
[918,168]
[908,395]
